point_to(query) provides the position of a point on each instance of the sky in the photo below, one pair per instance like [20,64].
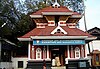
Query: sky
[92,15]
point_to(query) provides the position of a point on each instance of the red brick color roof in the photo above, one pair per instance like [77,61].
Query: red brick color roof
[51,9]
[47,32]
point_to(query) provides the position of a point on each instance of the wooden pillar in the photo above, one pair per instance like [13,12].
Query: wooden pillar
[99,58]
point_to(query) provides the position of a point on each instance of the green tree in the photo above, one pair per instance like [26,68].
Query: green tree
[9,15]
[6,16]
[75,5]
[16,14]
[24,25]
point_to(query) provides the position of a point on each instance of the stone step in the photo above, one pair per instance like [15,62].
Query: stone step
[72,67]
[62,67]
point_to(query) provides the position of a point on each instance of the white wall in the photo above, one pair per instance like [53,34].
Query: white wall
[95,45]
[15,62]
[7,65]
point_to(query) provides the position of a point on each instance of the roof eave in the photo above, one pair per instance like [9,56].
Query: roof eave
[91,38]
[36,16]
[6,40]
[24,39]
[76,16]
[57,13]
[59,37]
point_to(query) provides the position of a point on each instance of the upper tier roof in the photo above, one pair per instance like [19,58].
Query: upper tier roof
[52,9]
[48,29]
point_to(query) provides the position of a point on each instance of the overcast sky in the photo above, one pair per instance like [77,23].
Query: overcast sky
[92,14]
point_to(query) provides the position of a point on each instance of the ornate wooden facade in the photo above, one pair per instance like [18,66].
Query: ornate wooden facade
[95,58]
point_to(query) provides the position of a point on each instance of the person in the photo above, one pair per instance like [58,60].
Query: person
[57,61]
[44,64]
[66,62]
[53,62]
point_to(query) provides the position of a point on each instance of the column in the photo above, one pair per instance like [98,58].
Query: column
[44,53]
[29,46]
[32,52]
[72,55]
[47,52]
[82,51]
[85,50]
[68,51]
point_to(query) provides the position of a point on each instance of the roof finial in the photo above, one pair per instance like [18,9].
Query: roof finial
[56,4]
[56,0]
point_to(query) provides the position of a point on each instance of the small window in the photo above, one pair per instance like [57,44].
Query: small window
[58,30]
[97,57]
[20,64]
[77,52]
[38,53]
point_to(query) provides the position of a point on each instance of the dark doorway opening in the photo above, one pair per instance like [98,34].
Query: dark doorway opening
[56,20]
[58,51]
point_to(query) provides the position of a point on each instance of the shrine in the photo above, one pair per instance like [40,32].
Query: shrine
[56,41]
[95,48]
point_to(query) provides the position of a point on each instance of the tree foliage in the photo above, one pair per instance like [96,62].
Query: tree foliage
[16,14]
[75,5]
[13,18]
[7,15]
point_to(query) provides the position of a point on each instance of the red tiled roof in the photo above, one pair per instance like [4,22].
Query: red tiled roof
[96,52]
[51,9]
[47,32]
[76,13]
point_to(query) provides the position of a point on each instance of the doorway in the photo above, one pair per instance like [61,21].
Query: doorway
[58,51]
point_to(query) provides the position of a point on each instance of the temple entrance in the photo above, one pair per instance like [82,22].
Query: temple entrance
[58,54]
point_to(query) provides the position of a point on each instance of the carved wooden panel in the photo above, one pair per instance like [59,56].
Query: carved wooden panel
[63,18]
[50,18]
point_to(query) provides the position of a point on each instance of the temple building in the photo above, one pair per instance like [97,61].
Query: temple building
[95,48]
[6,51]
[56,41]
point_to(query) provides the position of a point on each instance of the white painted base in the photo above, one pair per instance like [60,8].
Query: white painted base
[15,62]
[61,67]
[6,65]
